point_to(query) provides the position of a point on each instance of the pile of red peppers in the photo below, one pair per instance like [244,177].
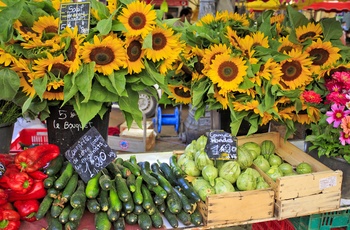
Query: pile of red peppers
[21,184]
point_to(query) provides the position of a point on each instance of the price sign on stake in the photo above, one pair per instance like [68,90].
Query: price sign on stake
[90,154]
[221,144]
[75,14]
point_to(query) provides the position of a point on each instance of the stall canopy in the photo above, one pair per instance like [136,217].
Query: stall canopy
[329,6]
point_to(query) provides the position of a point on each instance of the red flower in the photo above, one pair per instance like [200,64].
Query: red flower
[311,97]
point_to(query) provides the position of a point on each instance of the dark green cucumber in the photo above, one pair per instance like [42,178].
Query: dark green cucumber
[55,166]
[93,205]
[76,214]
[56,208]
[144,221]
[196,218]
[124,170]
[187,206]
[61,182]
[146,173]
[70,188]
[157,220]
[137,195]
[115,202]
[130,181]
[93,186]
[158,190]
[44,207]
[131,218]
[78,198]
[123,191]
[128,206]
[134,168]
[72,225]
[52,192]
[138,209]
[119,224]
[188,190]
[174,203]
[112,214]
[171,218]
[64,216]
[184,217]
[168,173]
[53,223]
[118,160]
[147,197]
[163,182]
[105,181]
[113,169]
[158,199]
[161,208]
[155,168]
[178,172]
[133,159]
[102,222]
[49,182]
[103,199]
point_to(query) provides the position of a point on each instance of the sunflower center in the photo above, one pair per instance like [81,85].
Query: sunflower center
[137,21]
[309,34]
[51,29]
[286,49]
[71,51]
[291,70]
[320,56]
[134,51]
[181,93]
[159,41]
[228,71]
[102,55]
[59,70]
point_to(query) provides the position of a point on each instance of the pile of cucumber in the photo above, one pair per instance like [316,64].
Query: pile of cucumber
[125,192]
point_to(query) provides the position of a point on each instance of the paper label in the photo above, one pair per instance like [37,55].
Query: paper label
[328,182]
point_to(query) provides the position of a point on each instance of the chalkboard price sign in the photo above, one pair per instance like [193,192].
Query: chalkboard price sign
[221,144]
[90,154]
[75,14]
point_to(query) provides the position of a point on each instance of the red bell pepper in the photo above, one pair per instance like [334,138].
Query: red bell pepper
[20,182]
[7,159]
[33,159]
[38,175]
[9,219]
[11,168]
[38,191]
[27,209]
[3,197]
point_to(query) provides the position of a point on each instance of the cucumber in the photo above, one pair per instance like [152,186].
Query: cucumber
[63,179]
[184,217]
[76,214]
[102,222]
[112,214]
[186,204]
[78,198]
[138,209]
[188,190]
[56,208]
[178,172]
[196,218]
[118,160]
[157,220]
[133,159]
[158,190]
[137,195]
[49,182]
[93,187]
[158,199]
[131,218]
[105,182]
[119,224]
[130,181]
[145,172]
[134,168]
[113,169]
[71,225]
[144,221]
[161,208]
[70,188]
[128,206]
[151,210]
[55,166]
[93,205]
[122,189]
[44,207]
[64,216]
[103,200]
[168,173]
[171,218]
[115,202]
[53,223]
[124,170]
[147,197]
[52,192]
[164,183]
[174,203]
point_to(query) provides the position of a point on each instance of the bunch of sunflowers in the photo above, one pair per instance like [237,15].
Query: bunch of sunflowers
[267,69]
[127,49]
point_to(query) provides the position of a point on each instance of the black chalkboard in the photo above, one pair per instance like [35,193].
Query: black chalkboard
[220,142]
[90,154]
[75,14]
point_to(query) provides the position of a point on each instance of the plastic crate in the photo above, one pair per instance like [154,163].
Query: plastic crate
[273,225]
[323,221]
[29,137]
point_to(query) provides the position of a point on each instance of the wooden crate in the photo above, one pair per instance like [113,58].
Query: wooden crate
[305,194]
[124,126]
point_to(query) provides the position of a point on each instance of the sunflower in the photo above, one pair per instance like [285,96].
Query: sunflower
[54,90]
[72,52]
[57,3]
[135,54]
[252,105]
[45,25]
[259,39]
[221,98]
[277,18]
[206,19]
[268,70]
[210,54]
[22,69]
[181,94]
[307,115]
[296,70]
[51,64]
[138,18]
[26,32]
[323,54]
[227,72]
[5,58]
[247,44]
[240,18]
[310,31]
[108,54]
[286,45]
[164,41]
[232,36]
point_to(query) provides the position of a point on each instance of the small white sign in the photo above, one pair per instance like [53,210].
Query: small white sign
[328,182]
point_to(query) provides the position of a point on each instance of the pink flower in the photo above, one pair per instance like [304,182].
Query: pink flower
[337,97]
[336,115]
[344,138]
[343,78]
[345,124]
[311,97]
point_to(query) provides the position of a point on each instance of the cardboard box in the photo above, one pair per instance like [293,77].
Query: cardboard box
[304,194]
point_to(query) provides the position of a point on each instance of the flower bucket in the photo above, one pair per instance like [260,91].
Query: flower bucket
[6,132]
[64,127]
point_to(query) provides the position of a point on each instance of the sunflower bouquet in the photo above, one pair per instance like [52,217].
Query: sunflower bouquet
[127,49]
[260,70]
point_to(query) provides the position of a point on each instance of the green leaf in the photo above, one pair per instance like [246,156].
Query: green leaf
[148,41]
[87,111]
[9,84]
[84,80]
[104,26]
[296,18]
[331,29]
